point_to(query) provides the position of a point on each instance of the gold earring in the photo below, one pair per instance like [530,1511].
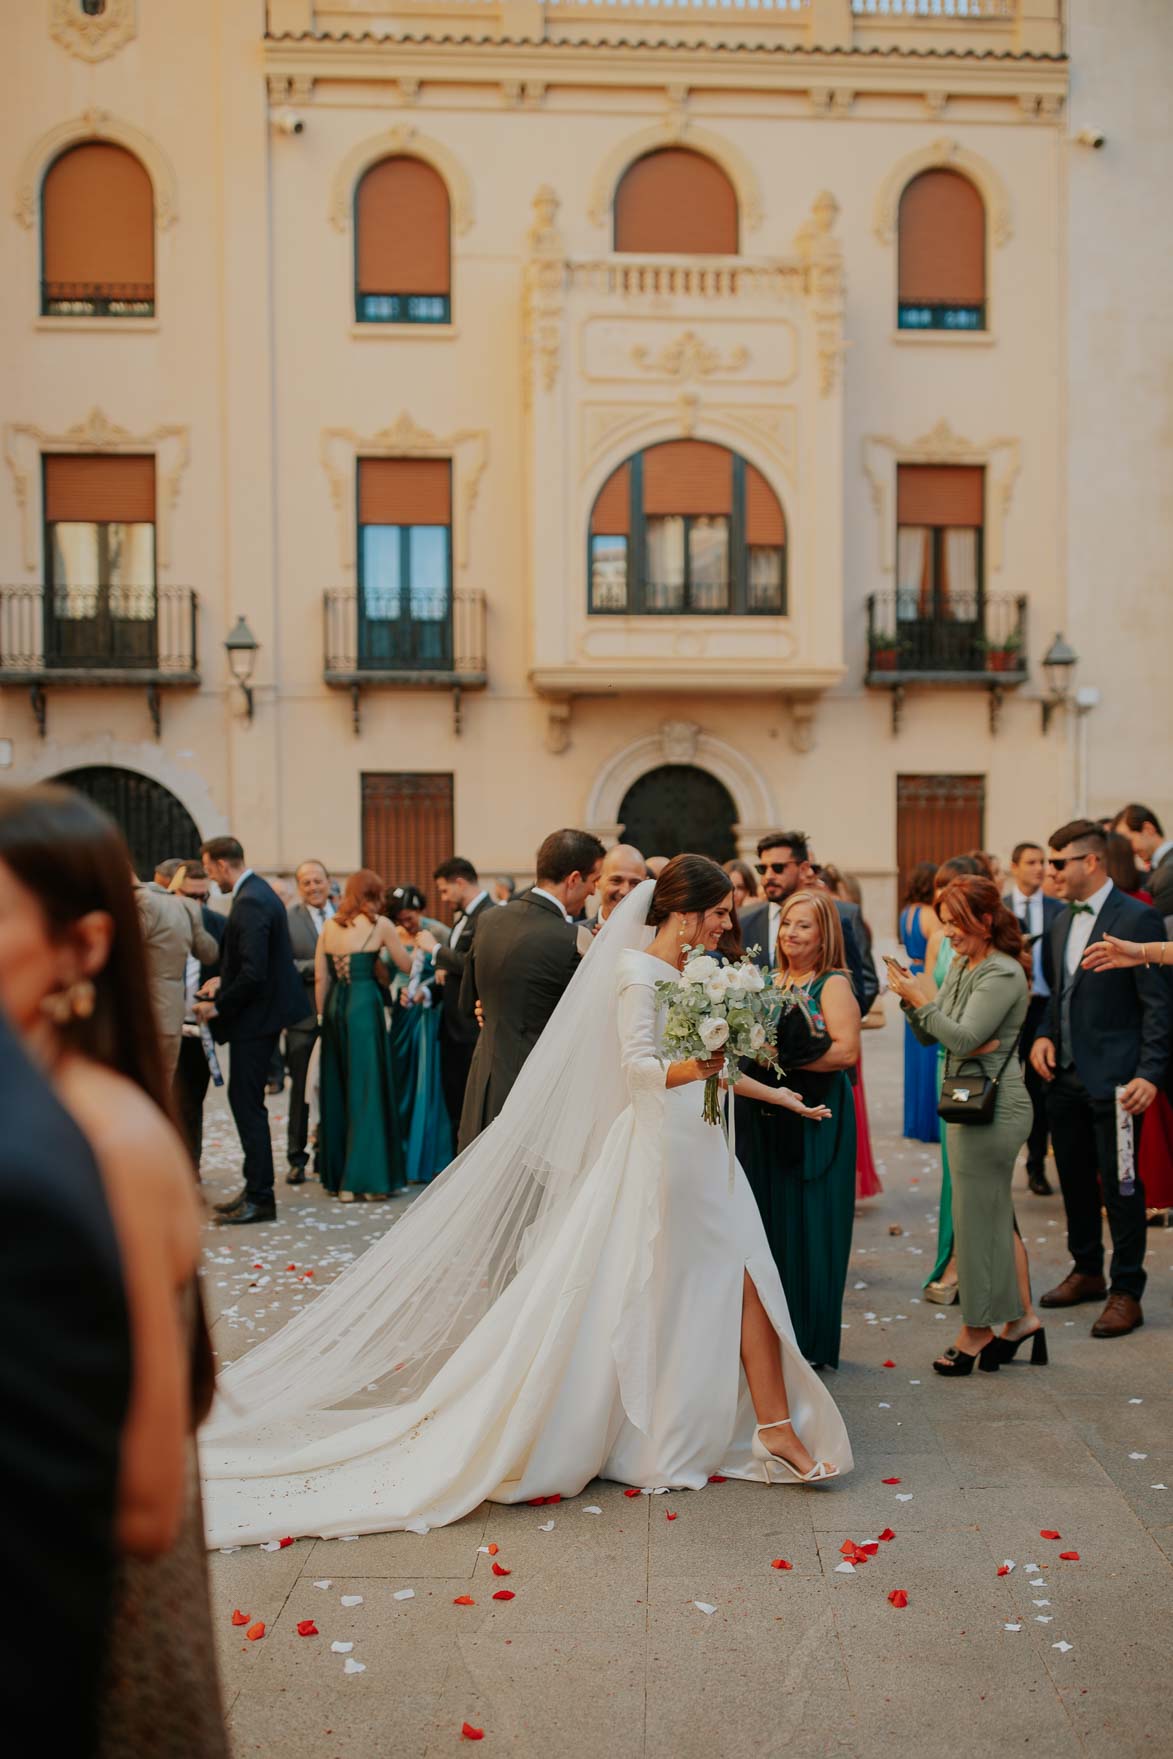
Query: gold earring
[75,1002]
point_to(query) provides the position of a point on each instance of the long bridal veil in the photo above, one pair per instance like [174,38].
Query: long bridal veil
[379,1335]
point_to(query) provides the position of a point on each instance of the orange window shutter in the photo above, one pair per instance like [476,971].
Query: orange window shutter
[678,203]
[402,220]
[612,511]
[764,520]
[86,488]
[404,491]
[940,494]
[98,219]
[942,241]
[688,476]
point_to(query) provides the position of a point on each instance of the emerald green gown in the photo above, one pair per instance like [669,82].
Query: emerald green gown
[360,1147]
[802,1174]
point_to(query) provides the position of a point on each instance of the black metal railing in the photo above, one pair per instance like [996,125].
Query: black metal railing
[941,314]
[403,308]
[969,636]
[147,631]
[97,299]
[412,635]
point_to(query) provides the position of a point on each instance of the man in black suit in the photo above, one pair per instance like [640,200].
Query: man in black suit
[1038,915]
[65,1372]
[307,918]
[785,865]
[461,890]
[257,994]
[524,955]
[1142,827]
[1101,1034]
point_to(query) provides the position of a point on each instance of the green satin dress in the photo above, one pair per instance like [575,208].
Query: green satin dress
[360,1144]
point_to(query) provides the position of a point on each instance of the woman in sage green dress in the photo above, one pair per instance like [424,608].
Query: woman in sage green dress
[977,1017]
[360,1132]
[801,1168]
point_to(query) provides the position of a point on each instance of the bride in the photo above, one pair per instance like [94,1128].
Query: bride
[571,1299]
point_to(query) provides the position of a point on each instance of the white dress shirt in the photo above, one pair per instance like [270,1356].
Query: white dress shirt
[1030,911]
[321,914]
[540,892]
[459,927]
[1083,927]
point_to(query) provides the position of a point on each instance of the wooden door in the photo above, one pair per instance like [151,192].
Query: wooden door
[937,816]
[407,829]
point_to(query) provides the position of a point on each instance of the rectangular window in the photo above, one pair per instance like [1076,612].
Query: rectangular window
[405,564]
[687,565]
[765,580]
[404,308]
[937,816]
[100,601]
[608,573]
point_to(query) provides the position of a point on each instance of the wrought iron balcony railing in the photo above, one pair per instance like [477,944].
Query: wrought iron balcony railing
[969,638]
[98,634]
[420,640]
[97,299]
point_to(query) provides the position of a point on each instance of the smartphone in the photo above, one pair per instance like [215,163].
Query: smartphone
[896,965]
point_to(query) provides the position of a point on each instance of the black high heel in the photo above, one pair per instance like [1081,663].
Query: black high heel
[1008,1347]
[957,1362]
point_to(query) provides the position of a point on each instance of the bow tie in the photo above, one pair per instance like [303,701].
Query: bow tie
[1078,909]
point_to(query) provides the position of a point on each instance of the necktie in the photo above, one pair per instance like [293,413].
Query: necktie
[1079,909]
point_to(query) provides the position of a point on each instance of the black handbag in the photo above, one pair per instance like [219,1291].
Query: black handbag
[971,1099]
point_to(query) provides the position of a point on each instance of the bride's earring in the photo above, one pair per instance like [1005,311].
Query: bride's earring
[76,1001]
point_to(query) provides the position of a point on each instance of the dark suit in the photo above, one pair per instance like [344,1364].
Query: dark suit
[260,994]
[458,1025]
[1120,1028]
[301,1037]
[189,1088]
[1158,882]
[755,931]
[1036,1142]
[65,1373]
[522,958]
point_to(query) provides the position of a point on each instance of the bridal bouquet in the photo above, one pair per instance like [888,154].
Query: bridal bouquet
[714,1007]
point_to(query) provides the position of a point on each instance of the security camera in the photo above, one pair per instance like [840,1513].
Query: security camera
[1091,137]
[289,122]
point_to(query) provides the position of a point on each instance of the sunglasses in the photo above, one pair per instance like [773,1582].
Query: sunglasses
[764,867]
[1057,864]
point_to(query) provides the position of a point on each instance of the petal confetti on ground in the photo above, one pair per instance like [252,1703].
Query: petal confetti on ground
[898,1597]
[307,1628]
[469,1733]
[1049,1533]
[500,1570]
[464,1600]
[781,1563]
[1070,1556]
[239,1618]
[255,1632]
[505,1594]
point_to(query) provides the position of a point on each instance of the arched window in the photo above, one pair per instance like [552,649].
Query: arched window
[687,526]
[402,245]
[942,233]
[97,235]
[676,203]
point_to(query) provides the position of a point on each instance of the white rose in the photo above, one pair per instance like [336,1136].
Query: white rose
[700,970]
[718,987]
[749,979]
[757,1036]
[714,1032]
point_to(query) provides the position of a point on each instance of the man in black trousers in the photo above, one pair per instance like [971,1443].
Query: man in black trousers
[1102,1032]
[257,994]
[459,886]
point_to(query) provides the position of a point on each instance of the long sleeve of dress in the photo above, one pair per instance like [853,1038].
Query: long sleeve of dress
[646,1069]
[996,989]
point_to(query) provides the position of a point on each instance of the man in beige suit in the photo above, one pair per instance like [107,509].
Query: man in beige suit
[173,933]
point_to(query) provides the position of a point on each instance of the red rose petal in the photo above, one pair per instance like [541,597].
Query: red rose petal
[631,1493]
[240,1618]
[464,1600]
[1048,1533]
[535,1502]
[557,1498]
[890,1480]
[1003,1569]
[493,1550]
[781,1563]
[284,1542]
[291,1267]
[255,1633]
[307,1273]
[1071,1556]
[307,1628]
[505,1594]
[469,1733]
[258,1267]
[888,1364]
[500,1570]
[886,1535]
[668,1515]
[847,1547]
[870,1546]
[717,1479]
[898,1597]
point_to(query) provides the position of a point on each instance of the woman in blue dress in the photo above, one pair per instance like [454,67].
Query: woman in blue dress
[415,1040]
[918,922]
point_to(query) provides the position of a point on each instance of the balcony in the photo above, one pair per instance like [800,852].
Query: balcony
[98,636]
[92,299]
[976,639]
[405,641]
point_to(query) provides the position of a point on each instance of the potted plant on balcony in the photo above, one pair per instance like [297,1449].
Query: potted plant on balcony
[1002,655]
[885,655]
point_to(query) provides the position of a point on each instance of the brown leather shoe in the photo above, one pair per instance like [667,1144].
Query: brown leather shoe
[1074,1288]
[1121,1315]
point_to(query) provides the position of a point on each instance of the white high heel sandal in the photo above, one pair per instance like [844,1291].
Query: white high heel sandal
[779,1471]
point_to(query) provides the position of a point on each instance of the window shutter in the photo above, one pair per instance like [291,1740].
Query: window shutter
[678,203]
[939,494]
[942,241]
[404,491]
[764,521]
[402,221]
[688,476]
[407,829]
[84,489]
[98,219]
[612,511]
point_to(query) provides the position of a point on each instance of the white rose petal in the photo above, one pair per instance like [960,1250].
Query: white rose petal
[757,1036]
[714,1033]
[701,969]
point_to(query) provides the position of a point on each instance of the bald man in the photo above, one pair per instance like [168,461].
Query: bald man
[623,869]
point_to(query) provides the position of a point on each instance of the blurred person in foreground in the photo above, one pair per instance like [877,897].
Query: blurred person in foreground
[74,983]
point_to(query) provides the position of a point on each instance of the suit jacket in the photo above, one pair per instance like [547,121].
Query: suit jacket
[1159,882]
[217,927]
[1052,911]
[260,990]
[65,1373]
[303,938]
[1121,1021]
[519,964]
[457,1022]
[755,929]
[173,928]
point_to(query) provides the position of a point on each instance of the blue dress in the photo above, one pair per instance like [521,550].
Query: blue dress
[415,1051]
[920,1061]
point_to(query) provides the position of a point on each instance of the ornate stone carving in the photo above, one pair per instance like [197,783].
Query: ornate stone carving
[545,294]
[677,129]
[823,255]
[747,784]
[688,357]
[403,138]
[688,406]
[95,125]
[1000,458]
[92,38]
[803,710]
[409,89]
[952,155]
[24,444]
[678,740]
[468,450]
[558,711]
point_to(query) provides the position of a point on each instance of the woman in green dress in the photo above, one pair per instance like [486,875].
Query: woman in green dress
[415,1038]
[360,1140]
[801,1168]
[977,1017]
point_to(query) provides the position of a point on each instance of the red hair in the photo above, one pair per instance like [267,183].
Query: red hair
[977,909]
[363,897]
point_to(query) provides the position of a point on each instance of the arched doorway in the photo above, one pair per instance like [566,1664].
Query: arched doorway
[155,824]
[678,808]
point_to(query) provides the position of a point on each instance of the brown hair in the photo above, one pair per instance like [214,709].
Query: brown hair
[363,896]
[565,852]
[977,909]
[832,953]
[749,879]
[921,883]
[1081,830]
[953,868]
[1136,817]
[1120,863]
[694,883]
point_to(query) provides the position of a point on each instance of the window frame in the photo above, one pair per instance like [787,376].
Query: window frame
[64,653]
[150,307]
[407,320]
[405,624]
[938,327]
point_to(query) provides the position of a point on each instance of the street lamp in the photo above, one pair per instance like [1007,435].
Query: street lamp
[1059,663]
[242,647]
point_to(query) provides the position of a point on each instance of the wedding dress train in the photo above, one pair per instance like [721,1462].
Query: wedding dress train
[597,1334]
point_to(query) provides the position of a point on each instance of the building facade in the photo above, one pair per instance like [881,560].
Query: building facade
[687,418]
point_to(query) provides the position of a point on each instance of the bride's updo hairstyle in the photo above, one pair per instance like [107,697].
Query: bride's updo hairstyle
[690,885]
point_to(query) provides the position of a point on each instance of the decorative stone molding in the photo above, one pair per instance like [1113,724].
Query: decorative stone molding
[952,156]
[403,138]
[688,357]
[823,255]
[289,88]
[96,125]
[56,757]
[544,297]
[803,710]
[25,443]
[92,39]
[1000,458]
[764,434]
[738,773]
[558,713]
[342,447]
[676,129]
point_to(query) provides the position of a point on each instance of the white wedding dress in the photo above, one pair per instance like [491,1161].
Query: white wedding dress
[598,1334]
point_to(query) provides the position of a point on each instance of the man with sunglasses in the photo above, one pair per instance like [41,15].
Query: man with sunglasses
[786,866]
[1092,1042]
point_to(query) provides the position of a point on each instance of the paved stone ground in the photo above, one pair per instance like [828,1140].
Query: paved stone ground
[604,1653]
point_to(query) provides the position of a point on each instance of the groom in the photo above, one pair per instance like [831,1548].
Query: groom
[518,966]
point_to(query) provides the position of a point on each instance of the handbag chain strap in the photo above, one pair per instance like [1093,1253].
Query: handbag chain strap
[994,1079]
